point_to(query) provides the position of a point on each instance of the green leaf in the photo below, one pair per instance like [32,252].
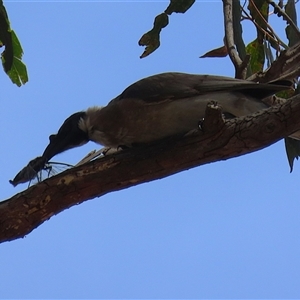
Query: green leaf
[260,17]
[292,148]
[4,17]
[18,72]
[218,52]
[263,8]
[238,30]
[179,6]
[12,55]
[151,38]
[256,50]
[269,53]
[17,48]
[290,10]
[5,39]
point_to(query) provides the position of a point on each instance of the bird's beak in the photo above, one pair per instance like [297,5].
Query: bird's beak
[69,136]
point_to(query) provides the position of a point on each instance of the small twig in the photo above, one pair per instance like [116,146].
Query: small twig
[285,67]
[90,156]
[240,67]
[97,154]
[286,17]
[277,40]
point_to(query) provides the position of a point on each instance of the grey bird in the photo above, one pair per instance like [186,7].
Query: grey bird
[154,108]
[160,106]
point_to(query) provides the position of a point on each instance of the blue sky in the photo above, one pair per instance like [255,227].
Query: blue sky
[225,230]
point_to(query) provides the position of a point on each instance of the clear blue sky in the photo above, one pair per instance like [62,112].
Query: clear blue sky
[224,230]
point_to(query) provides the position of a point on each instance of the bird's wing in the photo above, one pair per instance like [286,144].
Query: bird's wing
[172,86]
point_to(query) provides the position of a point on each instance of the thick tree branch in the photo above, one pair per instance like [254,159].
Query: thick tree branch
[25,211]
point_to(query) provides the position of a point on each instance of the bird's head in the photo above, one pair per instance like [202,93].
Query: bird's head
[68,136]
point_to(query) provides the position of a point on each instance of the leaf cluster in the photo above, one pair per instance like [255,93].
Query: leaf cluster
[12,55]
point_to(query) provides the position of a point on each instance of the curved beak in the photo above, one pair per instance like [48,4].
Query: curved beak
[69,136]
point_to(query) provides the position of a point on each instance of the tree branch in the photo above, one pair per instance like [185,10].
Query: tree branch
[280,12]
[286,67]
[239,65]
[25,211]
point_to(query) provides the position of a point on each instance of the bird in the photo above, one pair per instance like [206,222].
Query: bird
[157,107]
[154,108]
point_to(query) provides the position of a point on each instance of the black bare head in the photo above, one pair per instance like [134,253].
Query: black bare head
[68,136]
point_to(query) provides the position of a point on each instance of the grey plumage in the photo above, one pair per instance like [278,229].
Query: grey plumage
[156,107]
[170,104]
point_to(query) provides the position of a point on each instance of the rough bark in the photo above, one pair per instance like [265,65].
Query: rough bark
[216,141]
